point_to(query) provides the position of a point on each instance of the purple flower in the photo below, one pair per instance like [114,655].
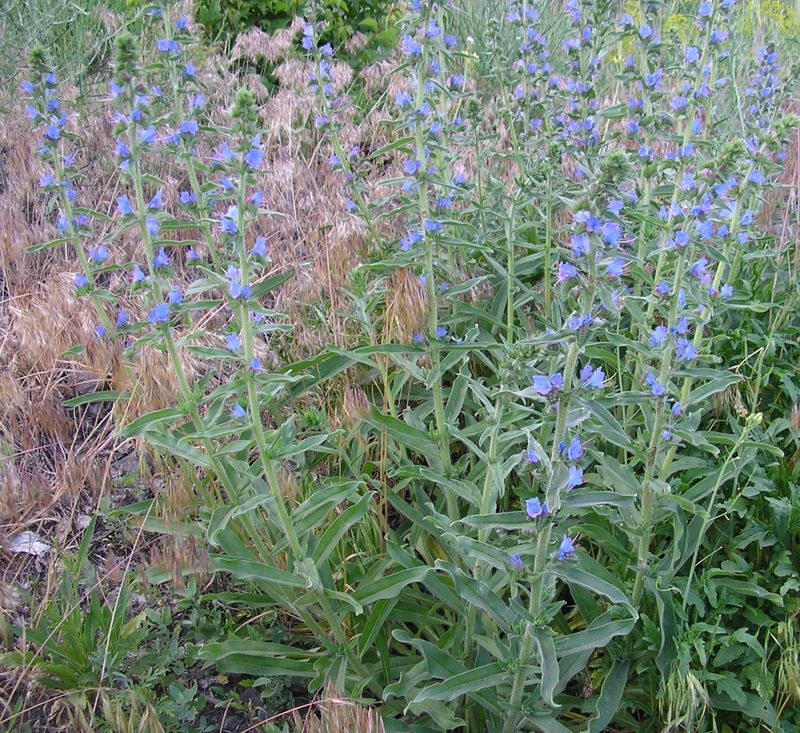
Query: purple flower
[658,336]
[232,342]
[175,296]
[259,248]
[157,201]
[658,390]
[591,377]
[565,271]
[124,206]
[615,269]
[80,280]
[99,253]
[516,562]
[254,157]
[122,318]
[410,47]
[159,314]
[236,289]
[152,226]
[168,45]
[535,508]
[566,549]
[575,449]
[726,291]
[411,167]
[147,135]
[575,477]
[160,259]
[684,349]
[547,385]
[256,365]
[228,220]
[188,128]
[531,456]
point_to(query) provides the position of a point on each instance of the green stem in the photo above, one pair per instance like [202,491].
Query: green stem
[534,608]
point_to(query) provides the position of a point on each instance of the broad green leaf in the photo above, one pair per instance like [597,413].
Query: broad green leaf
[339,527]
[548,663]
[473,680]
[389,586]
[608,702]
[252,570]
[140,424]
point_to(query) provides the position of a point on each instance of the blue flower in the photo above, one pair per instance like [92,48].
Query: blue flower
[182,23]
[147,135]
[168,45]
[152,226]
[410,47]
[535,508]
[575,477]
[259,248]
[565,271]
[232,342]
[615,268]
[159,314]
[137,275]
[175,296]
[122,318]
[575,449]
[98,253]
[238,411]
[254,157]
[591,377]
[157,201]
[516,562]
[160,259]
[566,549]
[228,220]
[80,280]
[726,291]
[531,456]
[124,206]
[685,350]
[236,289]
[658,390]
[188,128]
[658,336]
[256,365]
[410,167]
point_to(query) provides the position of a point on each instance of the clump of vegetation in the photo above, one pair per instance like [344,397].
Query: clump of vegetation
[463,390]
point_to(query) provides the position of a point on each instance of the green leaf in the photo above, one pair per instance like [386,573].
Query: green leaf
[252,570]
[548,663]
[224,514]
[339,527]
[176,447]
[473,680]
[403,433]
[140,424]
[252,657]
[390,585]
[585,572]
[610,697]
[111,395]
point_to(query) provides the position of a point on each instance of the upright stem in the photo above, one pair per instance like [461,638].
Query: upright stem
[534,608]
